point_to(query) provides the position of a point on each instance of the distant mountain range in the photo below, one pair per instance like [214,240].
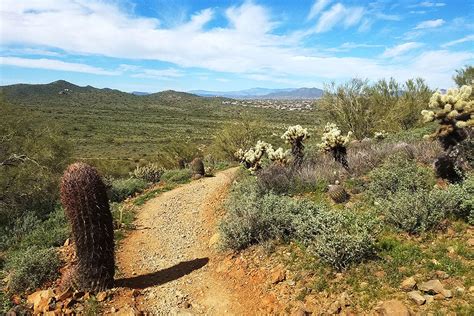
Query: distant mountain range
[264,93]
[61,88]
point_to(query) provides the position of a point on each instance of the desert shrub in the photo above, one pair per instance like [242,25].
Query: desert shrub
[150,173]
[417,211]
[253,218]
[32,156]
[122,188]
[232,137]
[32,267]
[399,174]
[463,199]
[464,76]
[342,238]
[49,233]
[177,176]
[286,180]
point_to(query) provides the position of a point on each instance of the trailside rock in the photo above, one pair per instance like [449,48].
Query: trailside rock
[392,308]
[431,287]
[408,284]
[416,297]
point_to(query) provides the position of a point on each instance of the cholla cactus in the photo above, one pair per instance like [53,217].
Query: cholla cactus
[454,111]
[280,156]
[295,135]
[334,142]
[380,135]
[252,157]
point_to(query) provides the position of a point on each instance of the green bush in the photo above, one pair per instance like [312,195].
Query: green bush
[286,180]
[399,174]
[253,218]
[29,182]
[120,189]
[419,211]
[32,267]
[149,173]
[49,233]
[177,176]
[342,238]
[463,197]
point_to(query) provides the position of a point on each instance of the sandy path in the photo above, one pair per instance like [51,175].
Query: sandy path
[166,264]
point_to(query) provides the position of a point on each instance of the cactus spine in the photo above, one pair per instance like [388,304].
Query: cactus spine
[84,198]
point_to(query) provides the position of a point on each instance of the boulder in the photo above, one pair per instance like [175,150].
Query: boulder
[431,287]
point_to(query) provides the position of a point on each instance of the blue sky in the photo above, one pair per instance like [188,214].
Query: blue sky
[152,45]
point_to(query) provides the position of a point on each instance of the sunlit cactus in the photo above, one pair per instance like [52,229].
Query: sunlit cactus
[295,135]
[454,112]
[251,158]
[150,173]
[334,142]
[85,202]
[279,155]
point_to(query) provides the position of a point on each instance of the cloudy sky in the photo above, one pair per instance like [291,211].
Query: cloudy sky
[152,45]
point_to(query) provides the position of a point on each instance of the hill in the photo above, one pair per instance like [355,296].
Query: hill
[122,129]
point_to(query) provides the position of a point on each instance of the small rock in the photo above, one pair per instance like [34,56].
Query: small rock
[363,285]
[417,297]
[408,284]
[113,310]
[470,242]
[431,287]
[428,298]
[278,276]
[442,274]
[460,290]
[65,294]
[392,308]
[471,289]
[438,297]
[101,296]
[451,249]
[447,293]
[40,300]
[380,274]
[214,240]
[67,242]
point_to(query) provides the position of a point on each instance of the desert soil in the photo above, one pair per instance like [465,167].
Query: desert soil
[169,263]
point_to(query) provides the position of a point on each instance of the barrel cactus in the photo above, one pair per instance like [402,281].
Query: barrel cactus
[295,135]
[197,167]
[337,193]
[454,112]
[85,202]
[334,142]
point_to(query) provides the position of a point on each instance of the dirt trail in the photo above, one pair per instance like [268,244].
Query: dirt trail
[166,265]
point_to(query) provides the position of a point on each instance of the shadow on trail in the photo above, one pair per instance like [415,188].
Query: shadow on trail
[163,276]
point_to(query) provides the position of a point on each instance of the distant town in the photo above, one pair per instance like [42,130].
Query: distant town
[290,105]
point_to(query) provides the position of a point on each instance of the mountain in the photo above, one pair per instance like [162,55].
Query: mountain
[139,93]
[264,93]
[240,94]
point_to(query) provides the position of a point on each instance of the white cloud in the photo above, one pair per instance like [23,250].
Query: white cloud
[400,49]
[468,38]
[429,24]
[317,7]
[338,13]
[247,46]
[53,64]
[428,4]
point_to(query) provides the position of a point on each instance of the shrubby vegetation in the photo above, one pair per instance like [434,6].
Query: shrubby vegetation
[31,268]
[365,108]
